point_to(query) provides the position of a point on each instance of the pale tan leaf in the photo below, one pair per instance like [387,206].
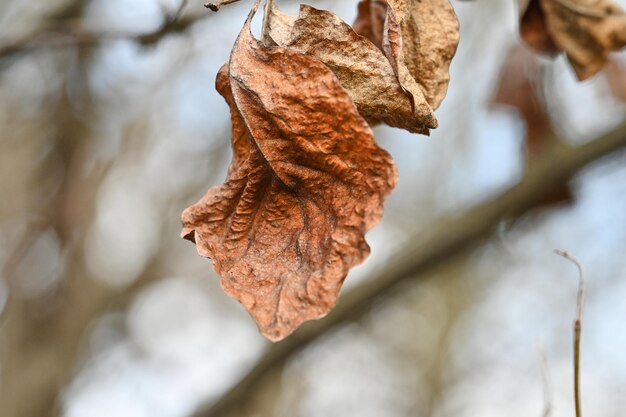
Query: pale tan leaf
[361,67]
[277,26]
[519,87]
[424,35]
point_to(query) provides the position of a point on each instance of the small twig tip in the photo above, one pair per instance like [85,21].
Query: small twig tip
[577,328]
[562,253]
[216,6]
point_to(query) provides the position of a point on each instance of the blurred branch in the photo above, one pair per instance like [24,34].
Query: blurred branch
[42,338]
[58,33]
[577,327]
[67,11]
[425,251]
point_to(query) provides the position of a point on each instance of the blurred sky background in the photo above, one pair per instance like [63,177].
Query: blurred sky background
[105,311]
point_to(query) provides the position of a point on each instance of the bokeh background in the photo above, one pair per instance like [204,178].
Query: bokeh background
[110,126]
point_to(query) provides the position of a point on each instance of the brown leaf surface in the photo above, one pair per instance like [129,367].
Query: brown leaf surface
[306,182]
[422,34]
[361,67]
[586,30]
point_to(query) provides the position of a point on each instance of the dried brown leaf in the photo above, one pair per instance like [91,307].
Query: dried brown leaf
[422,34]
[361,67]
[306,182]
[430,36]
[586,30]
[277,26]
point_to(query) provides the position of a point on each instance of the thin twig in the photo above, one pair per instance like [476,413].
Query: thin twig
[175,23]
[218,4]
[577,327]
[441,243]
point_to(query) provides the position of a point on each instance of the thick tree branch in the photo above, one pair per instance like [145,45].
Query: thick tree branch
[427,250]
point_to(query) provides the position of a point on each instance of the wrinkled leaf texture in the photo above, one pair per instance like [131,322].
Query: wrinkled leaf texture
[360,66]
[306,182]
[420,38]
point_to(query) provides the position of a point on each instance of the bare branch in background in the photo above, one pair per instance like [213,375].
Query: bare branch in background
[577,327]
[59,33]
[426,251]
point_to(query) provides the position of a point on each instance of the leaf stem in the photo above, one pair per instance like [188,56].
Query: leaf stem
[218,4]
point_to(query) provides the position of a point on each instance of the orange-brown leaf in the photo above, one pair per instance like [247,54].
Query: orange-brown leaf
[306,182]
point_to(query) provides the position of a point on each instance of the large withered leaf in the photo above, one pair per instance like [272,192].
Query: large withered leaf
[361,67]
[586,30]
[306,182]
[422,34]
